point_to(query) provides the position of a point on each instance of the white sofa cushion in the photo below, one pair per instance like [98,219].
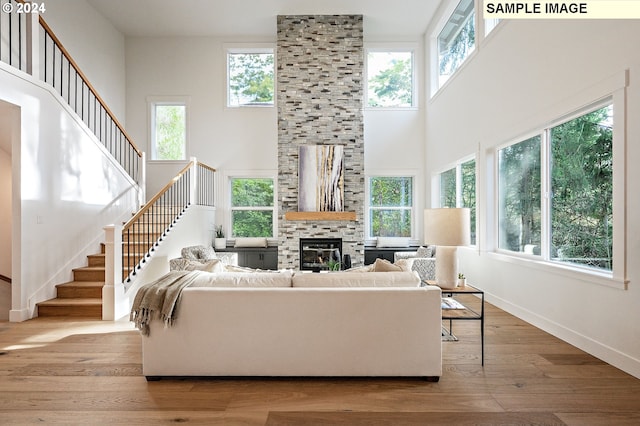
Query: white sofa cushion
[357,279]
[251,242]
[392,242]
[244,279]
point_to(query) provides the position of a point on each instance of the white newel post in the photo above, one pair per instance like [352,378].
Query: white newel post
[114,303]
[194,182]
[142,181]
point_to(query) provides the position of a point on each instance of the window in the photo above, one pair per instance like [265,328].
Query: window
[448,188]
[572,162]
[390,79]
[168,131]
[250,77]
[252,207]
[390,206]
[519,193]
[456,40]
[582,190]
[458,189]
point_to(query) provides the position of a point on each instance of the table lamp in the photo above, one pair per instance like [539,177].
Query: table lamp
[447,228]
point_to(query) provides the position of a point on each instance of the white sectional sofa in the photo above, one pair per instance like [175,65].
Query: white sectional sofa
[334,324]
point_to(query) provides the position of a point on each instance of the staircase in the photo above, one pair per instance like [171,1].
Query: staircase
[81,297]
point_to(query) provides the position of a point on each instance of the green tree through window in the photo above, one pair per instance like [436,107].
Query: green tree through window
[169,132]
[390,206]
[252,201]
[251,79]
[519,193]
[456,40]
[582,187]
[390,78]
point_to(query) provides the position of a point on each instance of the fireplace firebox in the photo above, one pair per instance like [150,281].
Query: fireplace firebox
[317,254]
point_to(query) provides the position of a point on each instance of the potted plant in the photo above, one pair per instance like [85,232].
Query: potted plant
[333,265]
[462,280]
[220,242]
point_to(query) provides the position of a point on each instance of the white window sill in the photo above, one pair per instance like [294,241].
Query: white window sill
[589,275]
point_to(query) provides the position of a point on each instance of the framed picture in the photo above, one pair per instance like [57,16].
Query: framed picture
[321,178]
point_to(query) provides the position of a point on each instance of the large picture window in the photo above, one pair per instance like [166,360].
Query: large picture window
[390,78]
[390,206]
[252,207]
[250,77]
[572,162]
[582,190]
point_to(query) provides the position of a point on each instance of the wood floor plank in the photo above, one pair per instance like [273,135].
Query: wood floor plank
[410,419]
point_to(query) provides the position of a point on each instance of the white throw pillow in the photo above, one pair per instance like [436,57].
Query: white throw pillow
[405,264]
[251,242]
[392,242]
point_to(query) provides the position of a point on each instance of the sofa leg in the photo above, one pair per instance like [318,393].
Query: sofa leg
[433,379]
[153,378]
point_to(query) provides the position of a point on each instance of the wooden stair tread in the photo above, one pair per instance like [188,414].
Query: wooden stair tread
[82,284]
[89,268]
[72,302]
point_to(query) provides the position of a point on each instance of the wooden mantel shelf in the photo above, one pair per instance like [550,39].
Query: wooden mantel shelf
[320,216]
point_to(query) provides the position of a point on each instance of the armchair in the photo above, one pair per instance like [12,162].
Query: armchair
[423,261]
[201,254]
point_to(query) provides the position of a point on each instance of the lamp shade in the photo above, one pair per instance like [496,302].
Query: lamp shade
[447,227]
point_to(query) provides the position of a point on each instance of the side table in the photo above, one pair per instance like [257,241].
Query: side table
[467,312]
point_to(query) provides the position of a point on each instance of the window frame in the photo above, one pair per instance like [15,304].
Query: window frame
[436,81]
[369,208]
[617,276]
[152,103]
[415,60]
[242,48]
[229,205]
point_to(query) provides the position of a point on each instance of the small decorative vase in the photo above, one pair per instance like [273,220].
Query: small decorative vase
[462,282]
[220,243]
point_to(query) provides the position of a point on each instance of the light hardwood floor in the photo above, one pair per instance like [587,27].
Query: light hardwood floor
[85,372]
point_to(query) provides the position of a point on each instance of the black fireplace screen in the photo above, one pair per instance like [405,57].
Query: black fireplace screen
[318,254]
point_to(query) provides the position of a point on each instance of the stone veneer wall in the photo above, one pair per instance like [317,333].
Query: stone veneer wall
[320,60]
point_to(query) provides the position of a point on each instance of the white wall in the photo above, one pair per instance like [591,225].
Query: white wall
[526,74]
[240,138]
[5,213]
[95,45]
[5,227]
[221,137]
[65,189]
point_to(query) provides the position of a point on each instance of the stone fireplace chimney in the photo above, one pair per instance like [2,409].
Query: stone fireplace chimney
[320,64]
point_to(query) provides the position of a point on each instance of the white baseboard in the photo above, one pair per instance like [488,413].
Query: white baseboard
[19,315]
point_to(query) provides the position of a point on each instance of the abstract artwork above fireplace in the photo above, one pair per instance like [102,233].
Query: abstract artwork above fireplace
[321,178]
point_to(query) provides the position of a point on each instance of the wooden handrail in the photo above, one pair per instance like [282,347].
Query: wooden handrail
[206,167]
[66,53]
[156,197]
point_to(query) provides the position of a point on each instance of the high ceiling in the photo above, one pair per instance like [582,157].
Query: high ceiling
[257,18]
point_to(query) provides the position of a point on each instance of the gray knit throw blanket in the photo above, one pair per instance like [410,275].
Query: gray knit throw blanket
[160,297]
